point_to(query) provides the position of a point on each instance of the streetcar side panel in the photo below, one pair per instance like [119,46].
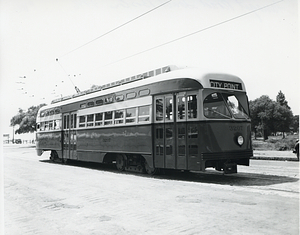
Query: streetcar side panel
[49,141]
[93,144]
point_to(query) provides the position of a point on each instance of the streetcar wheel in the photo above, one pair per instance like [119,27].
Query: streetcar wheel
[150,170]
[120,162]
[54,156]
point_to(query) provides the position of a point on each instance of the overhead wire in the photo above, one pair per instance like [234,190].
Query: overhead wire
[163,44]
[198,31]
[114,29]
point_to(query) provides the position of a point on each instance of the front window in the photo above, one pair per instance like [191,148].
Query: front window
[223,106]
[236,108]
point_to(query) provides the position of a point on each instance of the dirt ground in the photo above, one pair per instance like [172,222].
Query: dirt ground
[46,198]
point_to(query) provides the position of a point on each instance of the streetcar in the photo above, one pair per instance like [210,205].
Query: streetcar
[166,118]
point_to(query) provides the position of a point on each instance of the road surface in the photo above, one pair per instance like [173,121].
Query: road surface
[41,197]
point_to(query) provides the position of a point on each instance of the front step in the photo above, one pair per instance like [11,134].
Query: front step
[230,168]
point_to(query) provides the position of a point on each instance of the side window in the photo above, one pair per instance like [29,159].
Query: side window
[144,113]
[50,125]
[42,127]
[82,121]
[99,119]
[119,116]
[90,104]
[144,92]
[82,106]
[192,106]
[131,115]
[90,120]
[108,118]
[119,97]
[57,124]
[46,126]
[131,95]
[109,100]
[99,102]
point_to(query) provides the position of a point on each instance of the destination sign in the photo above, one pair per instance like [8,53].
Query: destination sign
[226,85]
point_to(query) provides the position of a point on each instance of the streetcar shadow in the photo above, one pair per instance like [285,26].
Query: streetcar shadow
[209,176]
[239,179]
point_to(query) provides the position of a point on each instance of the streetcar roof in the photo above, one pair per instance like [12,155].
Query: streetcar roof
[206,80]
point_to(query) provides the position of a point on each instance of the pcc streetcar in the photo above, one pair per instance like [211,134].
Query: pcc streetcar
[168,118]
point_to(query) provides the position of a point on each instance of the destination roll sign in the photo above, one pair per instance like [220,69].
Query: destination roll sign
[226,84]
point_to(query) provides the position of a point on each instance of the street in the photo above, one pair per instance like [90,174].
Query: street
[41,197]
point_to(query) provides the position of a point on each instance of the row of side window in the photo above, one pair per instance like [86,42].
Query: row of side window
[49,125]
[123,116]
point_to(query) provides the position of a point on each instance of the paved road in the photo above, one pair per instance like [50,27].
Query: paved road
[46,198]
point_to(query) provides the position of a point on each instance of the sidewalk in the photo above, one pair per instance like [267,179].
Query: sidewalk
[274,155]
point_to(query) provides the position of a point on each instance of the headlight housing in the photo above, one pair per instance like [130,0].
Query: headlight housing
[240,140]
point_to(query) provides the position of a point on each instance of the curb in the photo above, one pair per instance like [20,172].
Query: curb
[275,158]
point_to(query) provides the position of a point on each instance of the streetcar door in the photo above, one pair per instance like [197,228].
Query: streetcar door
[181,140]
[73,137]
[69,136]
[187,139]
[164,132]
[66,123]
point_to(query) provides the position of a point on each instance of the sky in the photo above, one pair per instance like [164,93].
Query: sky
[48,47]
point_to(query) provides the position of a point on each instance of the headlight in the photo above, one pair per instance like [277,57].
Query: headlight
[240,140]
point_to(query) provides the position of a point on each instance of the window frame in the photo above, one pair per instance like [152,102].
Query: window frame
[145,115]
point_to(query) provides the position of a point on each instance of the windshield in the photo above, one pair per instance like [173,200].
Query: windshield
[223,106]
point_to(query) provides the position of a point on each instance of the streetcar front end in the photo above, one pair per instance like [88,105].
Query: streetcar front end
[226,127]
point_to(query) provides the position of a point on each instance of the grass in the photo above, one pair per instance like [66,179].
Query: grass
[275,143]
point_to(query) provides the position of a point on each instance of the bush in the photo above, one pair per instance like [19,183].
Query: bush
[276,143]
[287,143]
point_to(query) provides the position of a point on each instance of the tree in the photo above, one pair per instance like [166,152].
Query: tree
[295,123]
[270,116]
[261,110]
[26,120]
[283,114]
[280,98]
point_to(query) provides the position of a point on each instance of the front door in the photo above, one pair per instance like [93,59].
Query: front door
[176,140]
[181,137]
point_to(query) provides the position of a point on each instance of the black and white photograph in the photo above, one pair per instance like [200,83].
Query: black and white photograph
[123,117]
